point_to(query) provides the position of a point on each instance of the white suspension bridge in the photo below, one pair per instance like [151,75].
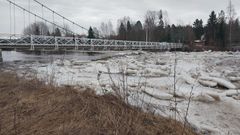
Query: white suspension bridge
[12,40]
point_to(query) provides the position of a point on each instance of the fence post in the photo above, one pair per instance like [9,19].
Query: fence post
[1,59]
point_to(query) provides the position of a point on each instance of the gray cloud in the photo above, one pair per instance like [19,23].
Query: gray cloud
[93,12]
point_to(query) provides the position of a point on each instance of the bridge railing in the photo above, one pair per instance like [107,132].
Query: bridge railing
[39,40]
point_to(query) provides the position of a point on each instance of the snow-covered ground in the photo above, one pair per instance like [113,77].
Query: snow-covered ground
[209,82]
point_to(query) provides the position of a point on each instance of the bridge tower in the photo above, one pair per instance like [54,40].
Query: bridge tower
[1,59]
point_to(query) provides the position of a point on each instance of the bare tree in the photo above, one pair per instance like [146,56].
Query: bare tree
[166,18]
[67,31]
[96,32]
[150,23]
[106,29]
[38,28]
[160,17]
[231,13]
[103,29]
[124,21]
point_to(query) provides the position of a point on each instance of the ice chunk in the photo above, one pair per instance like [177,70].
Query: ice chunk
[215,96]
[204,98]
[132,66]
[215,74]
[220,81]
[234,79]
[208,83]
[189,79]
[158,94]
[67,63]
[231,93]
[130,72]
[237,97]
[156,72]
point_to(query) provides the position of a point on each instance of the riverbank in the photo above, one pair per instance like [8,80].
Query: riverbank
[32,107]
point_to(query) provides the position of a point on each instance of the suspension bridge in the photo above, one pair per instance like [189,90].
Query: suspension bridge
[14,40]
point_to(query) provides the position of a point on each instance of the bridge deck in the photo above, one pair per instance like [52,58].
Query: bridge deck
[74,43]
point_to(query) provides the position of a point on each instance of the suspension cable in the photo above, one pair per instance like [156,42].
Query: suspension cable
[35,19]
[39,16]
[29,13]
[24,23]
[53,25]
[63,21]
[42,12]
[14,18]
[42,31]
[60,15]
[76,24]
[73,29]
[10,15]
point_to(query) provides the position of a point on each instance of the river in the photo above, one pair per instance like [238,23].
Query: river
[15,56]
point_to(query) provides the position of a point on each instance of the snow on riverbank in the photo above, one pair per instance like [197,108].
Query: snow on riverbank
[212,77]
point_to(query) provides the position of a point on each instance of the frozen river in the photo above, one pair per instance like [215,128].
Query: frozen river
[209,80]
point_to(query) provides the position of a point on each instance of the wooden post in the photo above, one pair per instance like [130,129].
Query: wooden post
[1,59]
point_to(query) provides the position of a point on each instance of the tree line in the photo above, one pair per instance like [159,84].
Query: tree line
[221,30]
[41,28]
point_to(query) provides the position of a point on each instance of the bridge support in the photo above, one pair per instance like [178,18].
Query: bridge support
[32,45]
[1,59]
[56,43]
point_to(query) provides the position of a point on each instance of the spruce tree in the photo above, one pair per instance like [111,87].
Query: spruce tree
[138,31]
[91,33]
[129,30]
[198,28]
[57,32]
[211,29]
[122,32]
[221,30]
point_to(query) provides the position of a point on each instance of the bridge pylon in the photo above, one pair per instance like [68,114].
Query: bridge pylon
[75,43]
[56,43]
[1,58]
[32,44]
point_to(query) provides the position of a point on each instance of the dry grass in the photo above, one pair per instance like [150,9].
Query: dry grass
[29,107]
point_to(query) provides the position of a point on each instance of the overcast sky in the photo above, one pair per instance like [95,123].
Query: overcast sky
[93,12]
